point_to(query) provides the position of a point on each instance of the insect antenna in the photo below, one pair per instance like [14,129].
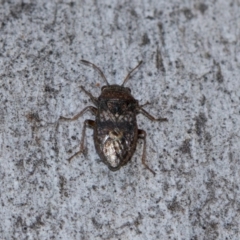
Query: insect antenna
[129,74]
[96,68]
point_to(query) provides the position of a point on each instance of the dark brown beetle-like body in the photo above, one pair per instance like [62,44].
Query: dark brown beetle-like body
[115,127]
[116,131]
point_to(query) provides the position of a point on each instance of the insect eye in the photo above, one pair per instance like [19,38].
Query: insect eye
[103,87]
[128,89]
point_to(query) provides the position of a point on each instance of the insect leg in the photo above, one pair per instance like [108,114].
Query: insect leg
[89,108]
[94,100]
[142,135]
[87,123]
[149,116]
[145,104]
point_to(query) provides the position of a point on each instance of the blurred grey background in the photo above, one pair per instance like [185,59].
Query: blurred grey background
[191,55]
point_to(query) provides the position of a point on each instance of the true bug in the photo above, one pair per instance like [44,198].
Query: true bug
[115,127]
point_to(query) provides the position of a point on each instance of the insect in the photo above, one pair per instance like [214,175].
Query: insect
[115,126]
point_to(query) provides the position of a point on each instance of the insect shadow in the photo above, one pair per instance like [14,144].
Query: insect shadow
[115,127]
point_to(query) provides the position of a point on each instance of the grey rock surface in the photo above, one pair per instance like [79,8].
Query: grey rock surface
[191,55]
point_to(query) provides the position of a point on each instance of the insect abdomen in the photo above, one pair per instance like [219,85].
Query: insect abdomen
[116,137]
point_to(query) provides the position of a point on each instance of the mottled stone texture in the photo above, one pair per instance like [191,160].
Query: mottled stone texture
[191,55]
